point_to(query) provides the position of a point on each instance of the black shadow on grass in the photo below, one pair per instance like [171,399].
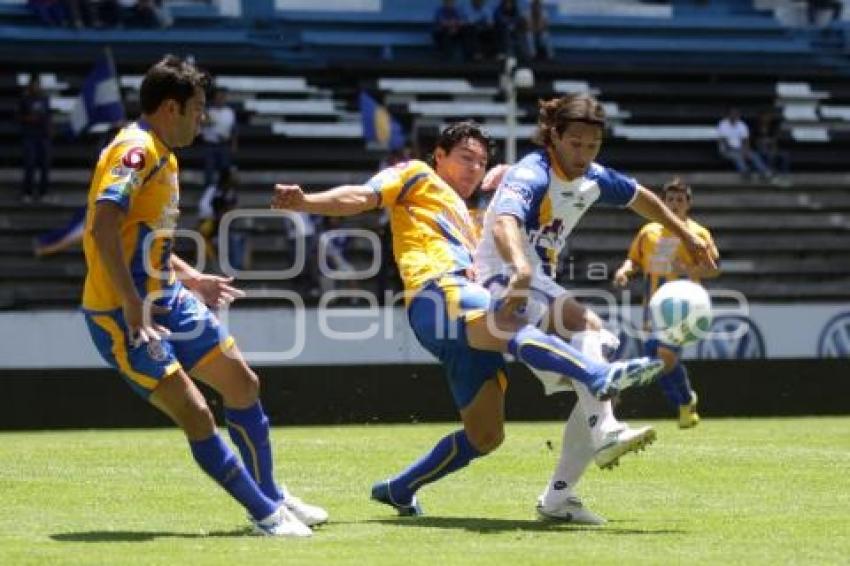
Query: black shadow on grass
[485,525]
[141,536]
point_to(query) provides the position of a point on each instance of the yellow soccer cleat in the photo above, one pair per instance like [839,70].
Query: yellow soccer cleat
[688,417]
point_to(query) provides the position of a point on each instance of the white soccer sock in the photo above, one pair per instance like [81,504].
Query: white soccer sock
[600,414]
[576,453]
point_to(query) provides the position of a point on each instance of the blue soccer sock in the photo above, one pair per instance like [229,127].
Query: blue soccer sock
[249,431]
[450,454]
[676,385]
[222,465]
[549,353]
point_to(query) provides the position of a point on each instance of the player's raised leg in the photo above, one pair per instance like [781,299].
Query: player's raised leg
[546,352]
[229,374]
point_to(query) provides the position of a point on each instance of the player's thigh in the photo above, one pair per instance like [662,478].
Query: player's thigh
[454,311]
[180,399]
[566,315]
[484,417]
[204,346]
[229,374]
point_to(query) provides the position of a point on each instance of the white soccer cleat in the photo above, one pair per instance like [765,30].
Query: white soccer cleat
[281,523]
[310,515]
[571,510]
[621,441]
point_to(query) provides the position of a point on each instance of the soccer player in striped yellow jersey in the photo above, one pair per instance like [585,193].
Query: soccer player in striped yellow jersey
[660,256]
[146,309]
[434,237]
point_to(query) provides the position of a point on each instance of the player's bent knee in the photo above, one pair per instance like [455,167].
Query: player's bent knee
[250,385]
[198,423]
[486,441]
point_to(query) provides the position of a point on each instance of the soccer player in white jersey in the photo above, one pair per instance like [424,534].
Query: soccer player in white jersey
[538,203]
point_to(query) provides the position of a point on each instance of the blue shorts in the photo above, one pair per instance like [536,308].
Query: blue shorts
[197,336]
[438,314]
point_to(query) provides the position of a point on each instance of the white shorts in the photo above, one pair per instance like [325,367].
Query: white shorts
[544,292]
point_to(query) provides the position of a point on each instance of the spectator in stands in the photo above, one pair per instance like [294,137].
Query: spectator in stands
[734,145]
[540,44]
[219,199]
[149,14]
[219,136]
[111,13]
[51,12]
[824,12]
[36,131]
[451,31]
[482,29]
[768,133]
[512,29]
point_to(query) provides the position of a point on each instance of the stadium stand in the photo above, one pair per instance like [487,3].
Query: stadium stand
[666,72]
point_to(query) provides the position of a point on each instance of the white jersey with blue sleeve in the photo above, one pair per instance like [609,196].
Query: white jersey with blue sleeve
[548,207]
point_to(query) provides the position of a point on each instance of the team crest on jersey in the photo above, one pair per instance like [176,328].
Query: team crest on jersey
[549,235]
[157,351]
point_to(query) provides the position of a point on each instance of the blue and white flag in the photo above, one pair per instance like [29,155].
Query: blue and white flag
[100,98]
[379,127]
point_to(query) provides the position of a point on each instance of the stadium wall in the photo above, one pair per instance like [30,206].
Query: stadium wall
[282,337]
[84,398]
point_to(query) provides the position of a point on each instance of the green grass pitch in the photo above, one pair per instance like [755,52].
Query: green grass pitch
[744,491]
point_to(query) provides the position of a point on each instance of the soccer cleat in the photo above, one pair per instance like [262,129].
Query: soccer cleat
[628,373]
[281,523]
[688,417]
[571,510]
[381,494]
[310,515]
[621,441]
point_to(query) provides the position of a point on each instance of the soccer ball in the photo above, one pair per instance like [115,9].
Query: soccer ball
[681,312]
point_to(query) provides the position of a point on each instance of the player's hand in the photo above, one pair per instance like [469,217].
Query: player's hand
[215,291]
[493,178]
[140,325]
[512,310]
[700,251]
[621,278]
[288,197]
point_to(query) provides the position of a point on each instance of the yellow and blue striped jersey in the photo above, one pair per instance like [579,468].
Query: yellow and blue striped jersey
[139,173]
[656,250]
[433,231]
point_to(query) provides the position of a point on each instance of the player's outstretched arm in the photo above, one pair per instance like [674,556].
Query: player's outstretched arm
[509,239]
[214,290]
[345,200]
[650,206]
